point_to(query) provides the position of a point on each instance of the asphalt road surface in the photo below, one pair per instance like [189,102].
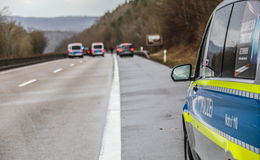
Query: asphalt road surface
[62,109]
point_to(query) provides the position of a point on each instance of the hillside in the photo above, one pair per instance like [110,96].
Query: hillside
[181,23]
[55,38]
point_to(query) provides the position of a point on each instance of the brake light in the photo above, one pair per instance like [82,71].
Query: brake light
[81,50]
[132,49]
[70,50]
[92,50]
[119,49]
[103,50]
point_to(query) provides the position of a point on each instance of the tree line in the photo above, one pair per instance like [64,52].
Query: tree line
[15,41]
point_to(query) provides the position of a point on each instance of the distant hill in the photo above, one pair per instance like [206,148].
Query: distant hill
[55,38]
[55,29]
[70,24]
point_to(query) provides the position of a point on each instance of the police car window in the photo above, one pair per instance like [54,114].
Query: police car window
[76,47]
[242,44]
[98,46]
[213,61]
[202,53]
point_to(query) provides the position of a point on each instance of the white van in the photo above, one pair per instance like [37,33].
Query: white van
[97,49]
[75,50]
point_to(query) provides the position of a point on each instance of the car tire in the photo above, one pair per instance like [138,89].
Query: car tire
[187,149]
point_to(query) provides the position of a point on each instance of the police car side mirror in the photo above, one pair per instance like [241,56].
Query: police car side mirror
[182,73]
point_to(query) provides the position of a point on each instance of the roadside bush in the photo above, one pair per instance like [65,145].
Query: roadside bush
[184,21]
[39,41]
[15,41]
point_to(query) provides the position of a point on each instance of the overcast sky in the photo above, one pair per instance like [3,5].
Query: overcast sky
[54,8]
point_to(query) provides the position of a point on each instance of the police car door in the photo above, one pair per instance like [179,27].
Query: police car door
[226,109]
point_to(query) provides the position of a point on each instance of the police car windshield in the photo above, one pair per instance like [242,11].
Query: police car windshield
[76,47]
[98,47]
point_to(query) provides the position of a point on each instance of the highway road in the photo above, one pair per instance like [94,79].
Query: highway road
[91,109]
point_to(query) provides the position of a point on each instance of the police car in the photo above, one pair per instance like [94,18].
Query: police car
[97,49]
[75,50]
[221,113]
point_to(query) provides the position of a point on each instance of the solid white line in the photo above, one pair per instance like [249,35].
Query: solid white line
[26,83]
[72,65]
[57,70]
[111,143]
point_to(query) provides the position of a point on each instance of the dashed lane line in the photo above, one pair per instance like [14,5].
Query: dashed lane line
[27,83]
[57,70]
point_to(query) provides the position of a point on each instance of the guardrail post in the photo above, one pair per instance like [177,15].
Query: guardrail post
[164,56]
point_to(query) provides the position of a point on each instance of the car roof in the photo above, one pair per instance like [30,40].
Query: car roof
[75,44]
[124,44]
[227,2]
[97,43]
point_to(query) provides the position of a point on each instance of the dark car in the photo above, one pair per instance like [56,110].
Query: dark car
[126,49]
[87,51]
[221,113]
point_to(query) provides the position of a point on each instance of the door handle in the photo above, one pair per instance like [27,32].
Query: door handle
[195,88]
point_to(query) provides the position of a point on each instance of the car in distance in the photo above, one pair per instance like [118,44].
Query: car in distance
[221,114]
[97,49]
[75,50]
[86,51]
[126,49]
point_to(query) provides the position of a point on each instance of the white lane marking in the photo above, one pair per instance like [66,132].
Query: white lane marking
[72,65]
[111,143]
[57,70]
[26,83]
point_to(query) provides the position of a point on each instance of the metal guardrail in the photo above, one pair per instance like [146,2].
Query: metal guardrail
[20,62]
[142,53]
